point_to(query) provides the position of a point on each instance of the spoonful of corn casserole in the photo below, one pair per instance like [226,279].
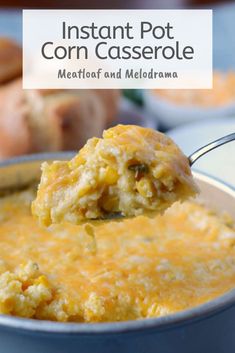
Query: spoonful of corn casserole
[130,171]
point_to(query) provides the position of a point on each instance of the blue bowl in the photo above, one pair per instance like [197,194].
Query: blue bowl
[203,329]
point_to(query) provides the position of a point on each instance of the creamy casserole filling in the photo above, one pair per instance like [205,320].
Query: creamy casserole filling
[130,171]
[138,268]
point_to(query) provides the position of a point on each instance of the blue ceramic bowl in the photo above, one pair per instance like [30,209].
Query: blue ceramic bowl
[203,329]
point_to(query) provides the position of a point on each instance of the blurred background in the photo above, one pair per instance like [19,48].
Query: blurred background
[33,121]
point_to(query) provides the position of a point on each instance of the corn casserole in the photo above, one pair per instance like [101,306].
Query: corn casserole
[130,171]
[138,268]
[222,93]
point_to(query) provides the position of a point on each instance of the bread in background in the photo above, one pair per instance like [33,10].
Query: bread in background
[110,98]
[64,119]
[52,120]
[10,60]
[15,136]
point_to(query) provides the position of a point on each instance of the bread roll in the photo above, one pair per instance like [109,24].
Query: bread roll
[51,120]
[64,120]
[10,60]
[15,136]
[110,98]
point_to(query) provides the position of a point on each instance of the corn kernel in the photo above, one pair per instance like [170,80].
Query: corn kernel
[42,280]
[84,190]
[77,161]
[110,176]
[7,306]
[108,134]
[144,187]
[110,203]
[158,171]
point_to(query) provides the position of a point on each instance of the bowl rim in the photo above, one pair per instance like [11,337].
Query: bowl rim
[197,313]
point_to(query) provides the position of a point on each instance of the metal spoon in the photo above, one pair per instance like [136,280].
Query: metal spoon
[209,147]
[192,159]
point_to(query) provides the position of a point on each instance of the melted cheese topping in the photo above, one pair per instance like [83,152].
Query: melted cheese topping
[138,268]
[131,170]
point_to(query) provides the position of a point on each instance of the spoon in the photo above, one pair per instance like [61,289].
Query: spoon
[192,159]
[209,147]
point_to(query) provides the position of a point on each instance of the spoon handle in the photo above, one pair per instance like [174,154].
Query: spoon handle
[211,146]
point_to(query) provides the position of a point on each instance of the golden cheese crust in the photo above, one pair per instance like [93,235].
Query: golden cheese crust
[130,171]
[140,268]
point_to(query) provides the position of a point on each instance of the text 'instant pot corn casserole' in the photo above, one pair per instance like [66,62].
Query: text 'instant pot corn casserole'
[136,268]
